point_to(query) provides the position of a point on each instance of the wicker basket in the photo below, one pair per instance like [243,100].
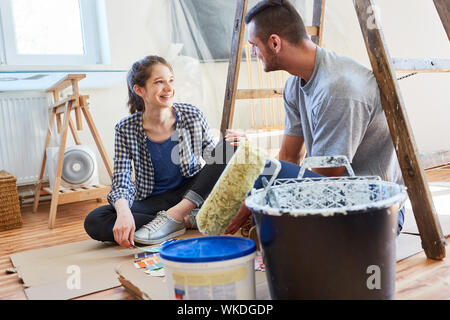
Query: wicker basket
[10,217]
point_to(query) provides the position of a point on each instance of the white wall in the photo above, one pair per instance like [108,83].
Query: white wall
[412,29]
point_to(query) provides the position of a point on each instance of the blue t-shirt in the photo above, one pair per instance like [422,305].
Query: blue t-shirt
[166,164]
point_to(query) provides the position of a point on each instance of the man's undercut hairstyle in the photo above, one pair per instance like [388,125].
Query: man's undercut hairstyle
[277,17]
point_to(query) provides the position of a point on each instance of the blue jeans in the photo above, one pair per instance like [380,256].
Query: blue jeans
[291,170]
[288,170]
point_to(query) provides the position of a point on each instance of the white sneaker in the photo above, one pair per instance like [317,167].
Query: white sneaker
[160,229]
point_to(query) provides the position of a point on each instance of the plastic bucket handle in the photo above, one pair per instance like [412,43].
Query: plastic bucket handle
[275,173]
[311,162]
[326,162]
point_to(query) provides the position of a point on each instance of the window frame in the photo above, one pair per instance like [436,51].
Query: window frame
[93,47]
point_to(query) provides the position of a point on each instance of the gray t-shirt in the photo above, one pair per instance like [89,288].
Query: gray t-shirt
[338,112]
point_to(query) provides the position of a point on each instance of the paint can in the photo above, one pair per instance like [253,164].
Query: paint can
[210,268]
[329,238]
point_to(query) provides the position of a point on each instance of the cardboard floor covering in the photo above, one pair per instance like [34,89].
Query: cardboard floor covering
[48,273]
[409,241]
[440,192]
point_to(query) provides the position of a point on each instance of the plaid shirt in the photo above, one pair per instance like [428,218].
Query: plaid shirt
[130,145]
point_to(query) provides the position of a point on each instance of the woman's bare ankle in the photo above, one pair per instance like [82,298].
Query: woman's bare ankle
[181,210]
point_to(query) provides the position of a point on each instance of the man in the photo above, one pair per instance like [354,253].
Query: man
[332,102]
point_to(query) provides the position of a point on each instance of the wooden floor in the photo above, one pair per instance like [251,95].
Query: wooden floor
[417,277]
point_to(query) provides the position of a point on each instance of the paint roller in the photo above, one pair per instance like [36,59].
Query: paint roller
[232,188]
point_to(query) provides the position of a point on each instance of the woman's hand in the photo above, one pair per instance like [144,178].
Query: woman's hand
[124,227]
[235,136]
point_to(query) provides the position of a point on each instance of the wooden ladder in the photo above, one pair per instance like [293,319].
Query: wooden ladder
[231,92]
[59,108]
[384,67]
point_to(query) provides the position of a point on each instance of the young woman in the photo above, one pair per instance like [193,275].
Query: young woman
[165,141]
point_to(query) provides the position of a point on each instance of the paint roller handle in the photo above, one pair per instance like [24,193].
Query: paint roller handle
[271,198]
[266,184]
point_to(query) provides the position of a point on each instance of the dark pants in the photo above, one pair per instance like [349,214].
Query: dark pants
[100,222]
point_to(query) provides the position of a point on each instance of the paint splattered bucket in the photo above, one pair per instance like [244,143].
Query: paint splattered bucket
[329,238]
[210,268]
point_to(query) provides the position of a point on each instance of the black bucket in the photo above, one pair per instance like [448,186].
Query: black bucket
[346,251]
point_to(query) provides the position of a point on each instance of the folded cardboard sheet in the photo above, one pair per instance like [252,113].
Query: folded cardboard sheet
[72,270]
[409,241]
[408,245]
[440,192]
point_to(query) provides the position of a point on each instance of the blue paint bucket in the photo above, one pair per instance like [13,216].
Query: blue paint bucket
[210,268]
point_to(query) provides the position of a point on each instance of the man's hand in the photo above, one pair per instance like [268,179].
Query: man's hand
[239,220]
[124,227]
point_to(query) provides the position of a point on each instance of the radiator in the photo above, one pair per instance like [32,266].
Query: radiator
[24,121]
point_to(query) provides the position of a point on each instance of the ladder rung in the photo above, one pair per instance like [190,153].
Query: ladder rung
[421,65]
[80,194]
[50,191]
[258,93]
[313,30]
[47,190]
[61,108]
[62,102]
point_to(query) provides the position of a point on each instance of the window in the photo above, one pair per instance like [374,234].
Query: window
[53,32]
